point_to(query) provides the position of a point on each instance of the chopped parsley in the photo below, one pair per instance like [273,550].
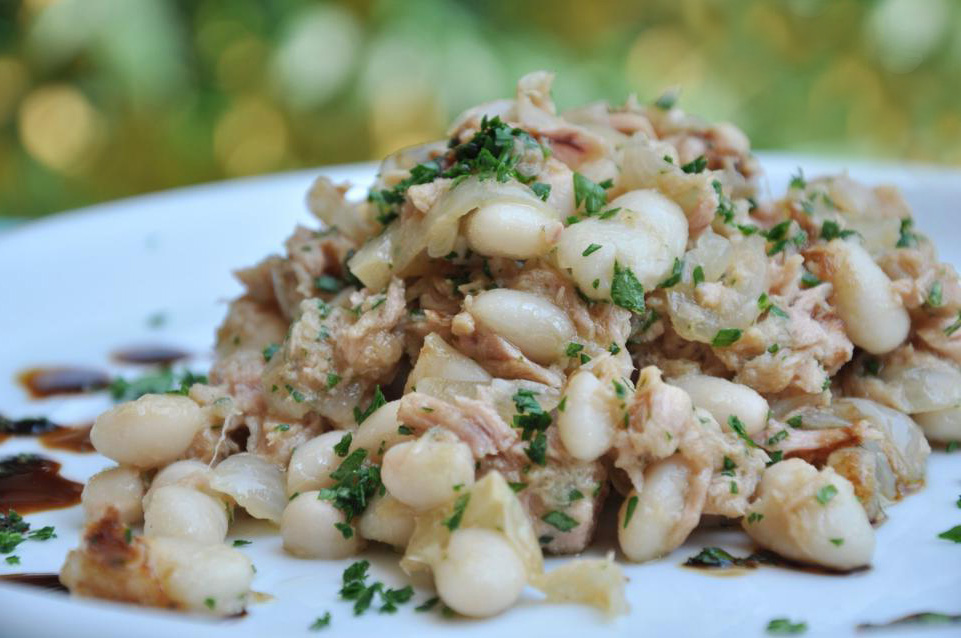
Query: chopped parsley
[571,351]
[530,416]
[765,304]
[332,380]
[281,427]
[12,560]
[328,283]
[798,181]
[696,165]
[825,494]
[725,337]
[452,522]
[935,297]
[626,291]
[346,530]
[241,542]
[575,495]
[428,604]
[809,280]
[725,208]
[783,626]
[698,275]
[162,382]
[210,603]
[14,530]
[537,450]
[950,330]
[517,487]
[738,428]
[404,429]
[321,623]
[270,351]
[356,483]
[675,276]
[907,238]
[754,517]
[728,467]
[593,248]
[953,534]
[795,421]
[831,230]
[837,542]
[777,438]
[543,191]
[666,101]
[560,521]
[592,196]
[294,393]
[629,512]
[343,446]
[376,403]
[773,348]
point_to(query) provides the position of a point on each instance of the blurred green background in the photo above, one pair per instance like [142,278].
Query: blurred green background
[101,99]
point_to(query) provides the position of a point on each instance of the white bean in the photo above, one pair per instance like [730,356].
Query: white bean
[586,426]
[387,520]
[184,512]
[658,510]
[312,462]
[943,426]
[379,432]
[723,399]
[646,236]
[535,325]
[810,516]
[873,315]
[423,474]
[308,529]
[511,229]
[149,432]
[188,473]
[481,574]
[117,487]
[212,579]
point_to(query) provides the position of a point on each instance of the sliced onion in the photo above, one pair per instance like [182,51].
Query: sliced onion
[253,483]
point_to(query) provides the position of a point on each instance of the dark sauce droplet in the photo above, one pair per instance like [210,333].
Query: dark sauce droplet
[32,483]
[47,382]
[49,582]
[71,439]
[150,355]
[50,434]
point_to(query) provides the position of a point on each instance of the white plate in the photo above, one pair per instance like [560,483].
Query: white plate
[76,286]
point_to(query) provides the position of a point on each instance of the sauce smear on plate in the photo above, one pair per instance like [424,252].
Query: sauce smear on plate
[51,381]
[49,582]
[32,483]
[150,355]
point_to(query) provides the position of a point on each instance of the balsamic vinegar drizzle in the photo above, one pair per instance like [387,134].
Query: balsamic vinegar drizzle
[43,382]
[48,582]
[32,483]
[150,355]
[50,434]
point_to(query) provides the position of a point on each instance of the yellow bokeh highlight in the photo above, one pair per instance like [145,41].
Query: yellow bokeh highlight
[58,127]
[251,137]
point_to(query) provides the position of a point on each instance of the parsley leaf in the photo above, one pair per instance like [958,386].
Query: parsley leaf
[537,450]
[560,521]
[907,238]
[725,337]
[629,512]
[626,291]
[697,165]
[738,427]
[377,402]
[591,195]
[328,283]
[452,522]
[782,626]
[356,483]
[593,248]
[826,493]
[321,623]
[541,190]
[343,446]
[675,277]
[831,230]
[953,534]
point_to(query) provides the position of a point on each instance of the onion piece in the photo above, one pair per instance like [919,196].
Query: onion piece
[253,483]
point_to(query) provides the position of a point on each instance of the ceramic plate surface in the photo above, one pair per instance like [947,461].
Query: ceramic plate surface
[77,286]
